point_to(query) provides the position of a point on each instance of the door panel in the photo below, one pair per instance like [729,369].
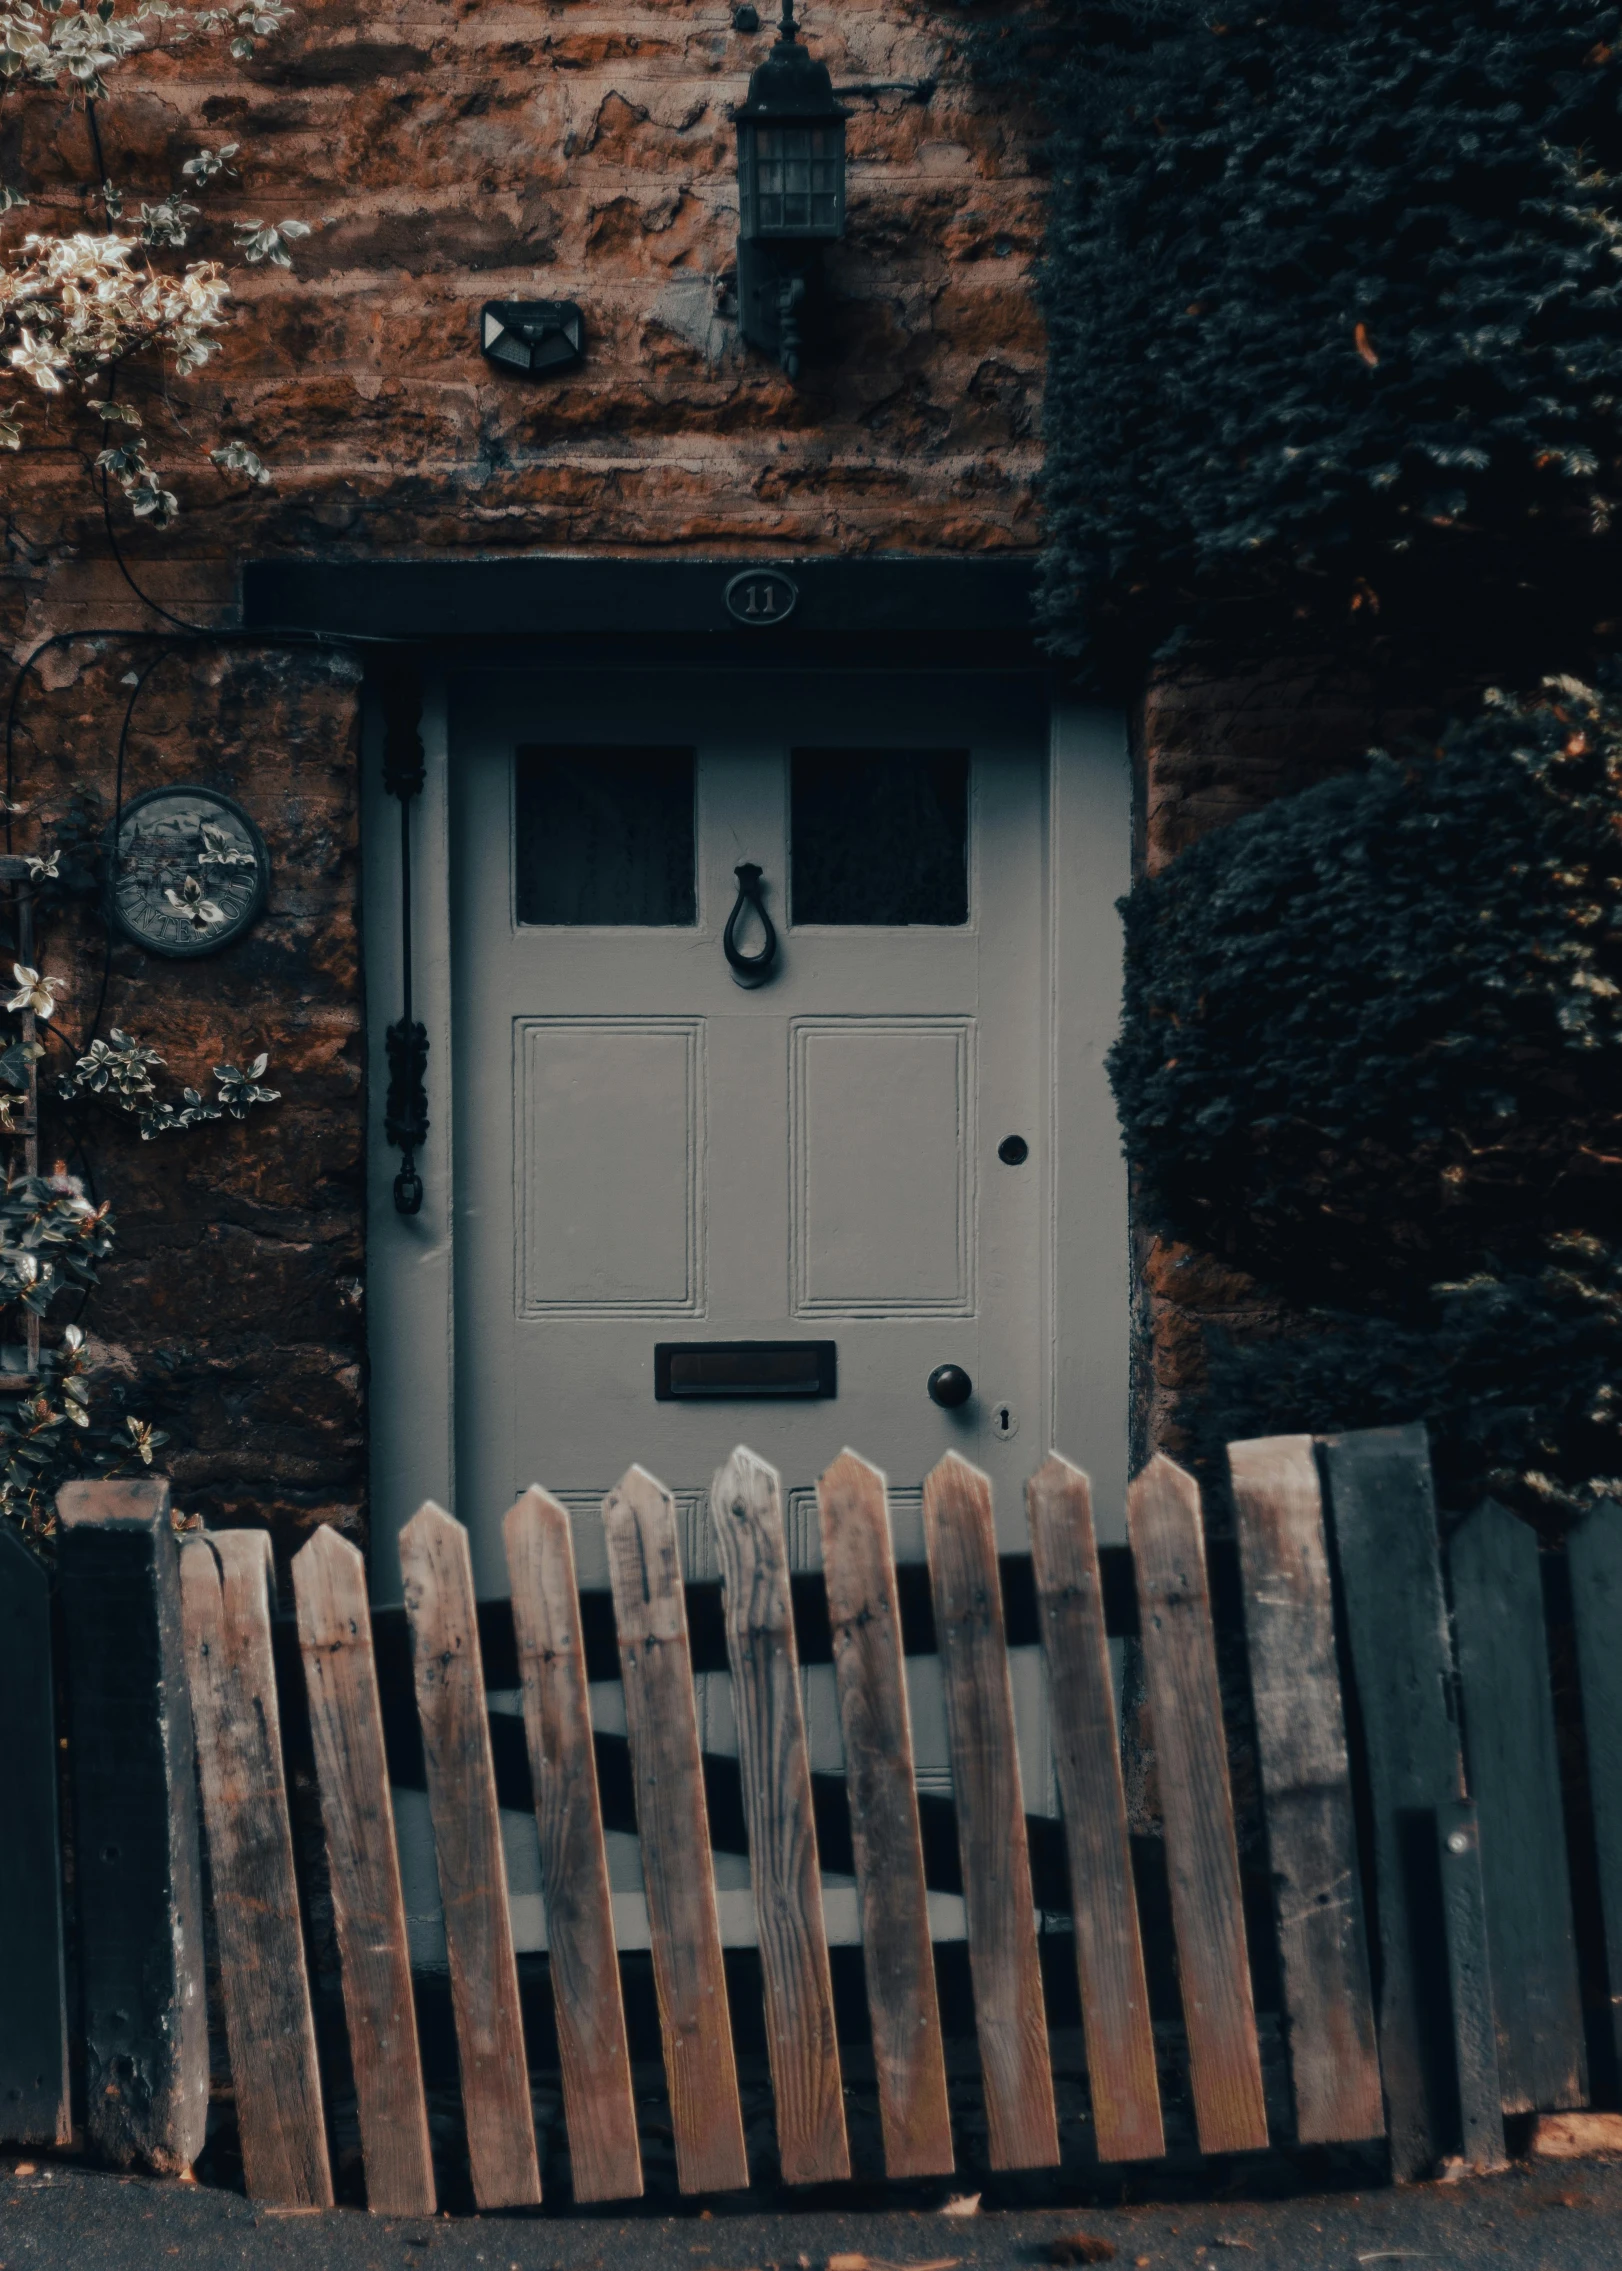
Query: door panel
[607,1106]
[647,1151]
[882,1165]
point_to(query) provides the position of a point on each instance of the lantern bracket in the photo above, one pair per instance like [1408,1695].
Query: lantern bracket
[780,299]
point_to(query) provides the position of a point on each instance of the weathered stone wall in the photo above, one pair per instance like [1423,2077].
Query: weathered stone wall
[445,156]
[451,155]
[231,1313]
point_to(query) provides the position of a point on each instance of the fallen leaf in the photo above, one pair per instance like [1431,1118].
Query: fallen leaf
[24,2168]
[1364,347]
[962,2204]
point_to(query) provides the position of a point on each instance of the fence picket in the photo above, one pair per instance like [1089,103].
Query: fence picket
[357,1814]
[1010,2017]
[1202,1855]
[34,2102]
[1087,1759]
[138,1874]
[869,1672]
[1384,1518]
[1307,1789]
[598,2103]
[639,1519]
[1470,1986]
[1514,1770]
[225,1609]
[747,1511]
[1595,1551]
[437,1570]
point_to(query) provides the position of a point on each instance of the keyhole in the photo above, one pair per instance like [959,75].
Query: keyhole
[1004,1421]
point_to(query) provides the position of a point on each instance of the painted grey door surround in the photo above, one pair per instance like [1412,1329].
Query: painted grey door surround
[1076,830]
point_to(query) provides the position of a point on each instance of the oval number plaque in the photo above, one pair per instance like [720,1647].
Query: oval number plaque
[761,595]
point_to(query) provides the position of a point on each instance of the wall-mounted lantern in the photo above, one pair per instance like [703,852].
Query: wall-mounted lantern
[791,196]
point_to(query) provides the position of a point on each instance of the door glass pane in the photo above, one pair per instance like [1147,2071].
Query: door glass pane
[880,836]
[605,836]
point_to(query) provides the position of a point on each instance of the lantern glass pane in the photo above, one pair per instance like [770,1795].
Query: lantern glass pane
[799,181]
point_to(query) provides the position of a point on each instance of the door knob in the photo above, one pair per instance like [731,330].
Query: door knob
[949,1385]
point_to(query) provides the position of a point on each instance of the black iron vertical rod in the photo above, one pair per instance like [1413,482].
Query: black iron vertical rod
[405,1116]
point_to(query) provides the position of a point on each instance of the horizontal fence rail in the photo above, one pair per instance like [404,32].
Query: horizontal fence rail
[461,1716]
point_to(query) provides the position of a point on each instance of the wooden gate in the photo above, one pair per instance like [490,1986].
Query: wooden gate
[229,1641]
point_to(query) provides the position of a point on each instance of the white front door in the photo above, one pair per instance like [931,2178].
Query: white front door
[629,1151]
[692,1211]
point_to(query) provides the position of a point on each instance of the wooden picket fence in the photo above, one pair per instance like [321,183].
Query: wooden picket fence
[1481,2002]
[227,1610]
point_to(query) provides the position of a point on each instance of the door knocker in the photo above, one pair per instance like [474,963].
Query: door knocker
[750,969]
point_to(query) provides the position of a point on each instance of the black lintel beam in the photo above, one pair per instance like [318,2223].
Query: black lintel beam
[627,598]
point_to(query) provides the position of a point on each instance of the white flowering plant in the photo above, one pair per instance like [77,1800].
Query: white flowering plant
[93,315]
[51,1238]
[58,1422]
[120,1069]
[52,1435]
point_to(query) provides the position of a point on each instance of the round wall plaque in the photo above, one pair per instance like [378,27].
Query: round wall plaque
[761,596]
[188,871]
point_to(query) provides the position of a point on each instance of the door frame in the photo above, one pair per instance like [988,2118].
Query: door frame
[411,1260]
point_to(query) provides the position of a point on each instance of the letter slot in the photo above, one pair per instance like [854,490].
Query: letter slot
[715,1370]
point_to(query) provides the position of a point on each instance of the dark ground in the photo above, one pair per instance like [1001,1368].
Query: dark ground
[1534,2218]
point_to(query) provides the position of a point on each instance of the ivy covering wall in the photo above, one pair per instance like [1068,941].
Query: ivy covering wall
[1335,323]
[1334,295]
[1373,1053]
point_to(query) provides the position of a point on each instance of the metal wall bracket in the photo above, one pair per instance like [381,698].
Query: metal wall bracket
[782,300]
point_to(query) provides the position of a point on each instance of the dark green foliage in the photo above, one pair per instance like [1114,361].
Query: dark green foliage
[1373,1054]
[1391,999]
[1519,1378]
[1336,334]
